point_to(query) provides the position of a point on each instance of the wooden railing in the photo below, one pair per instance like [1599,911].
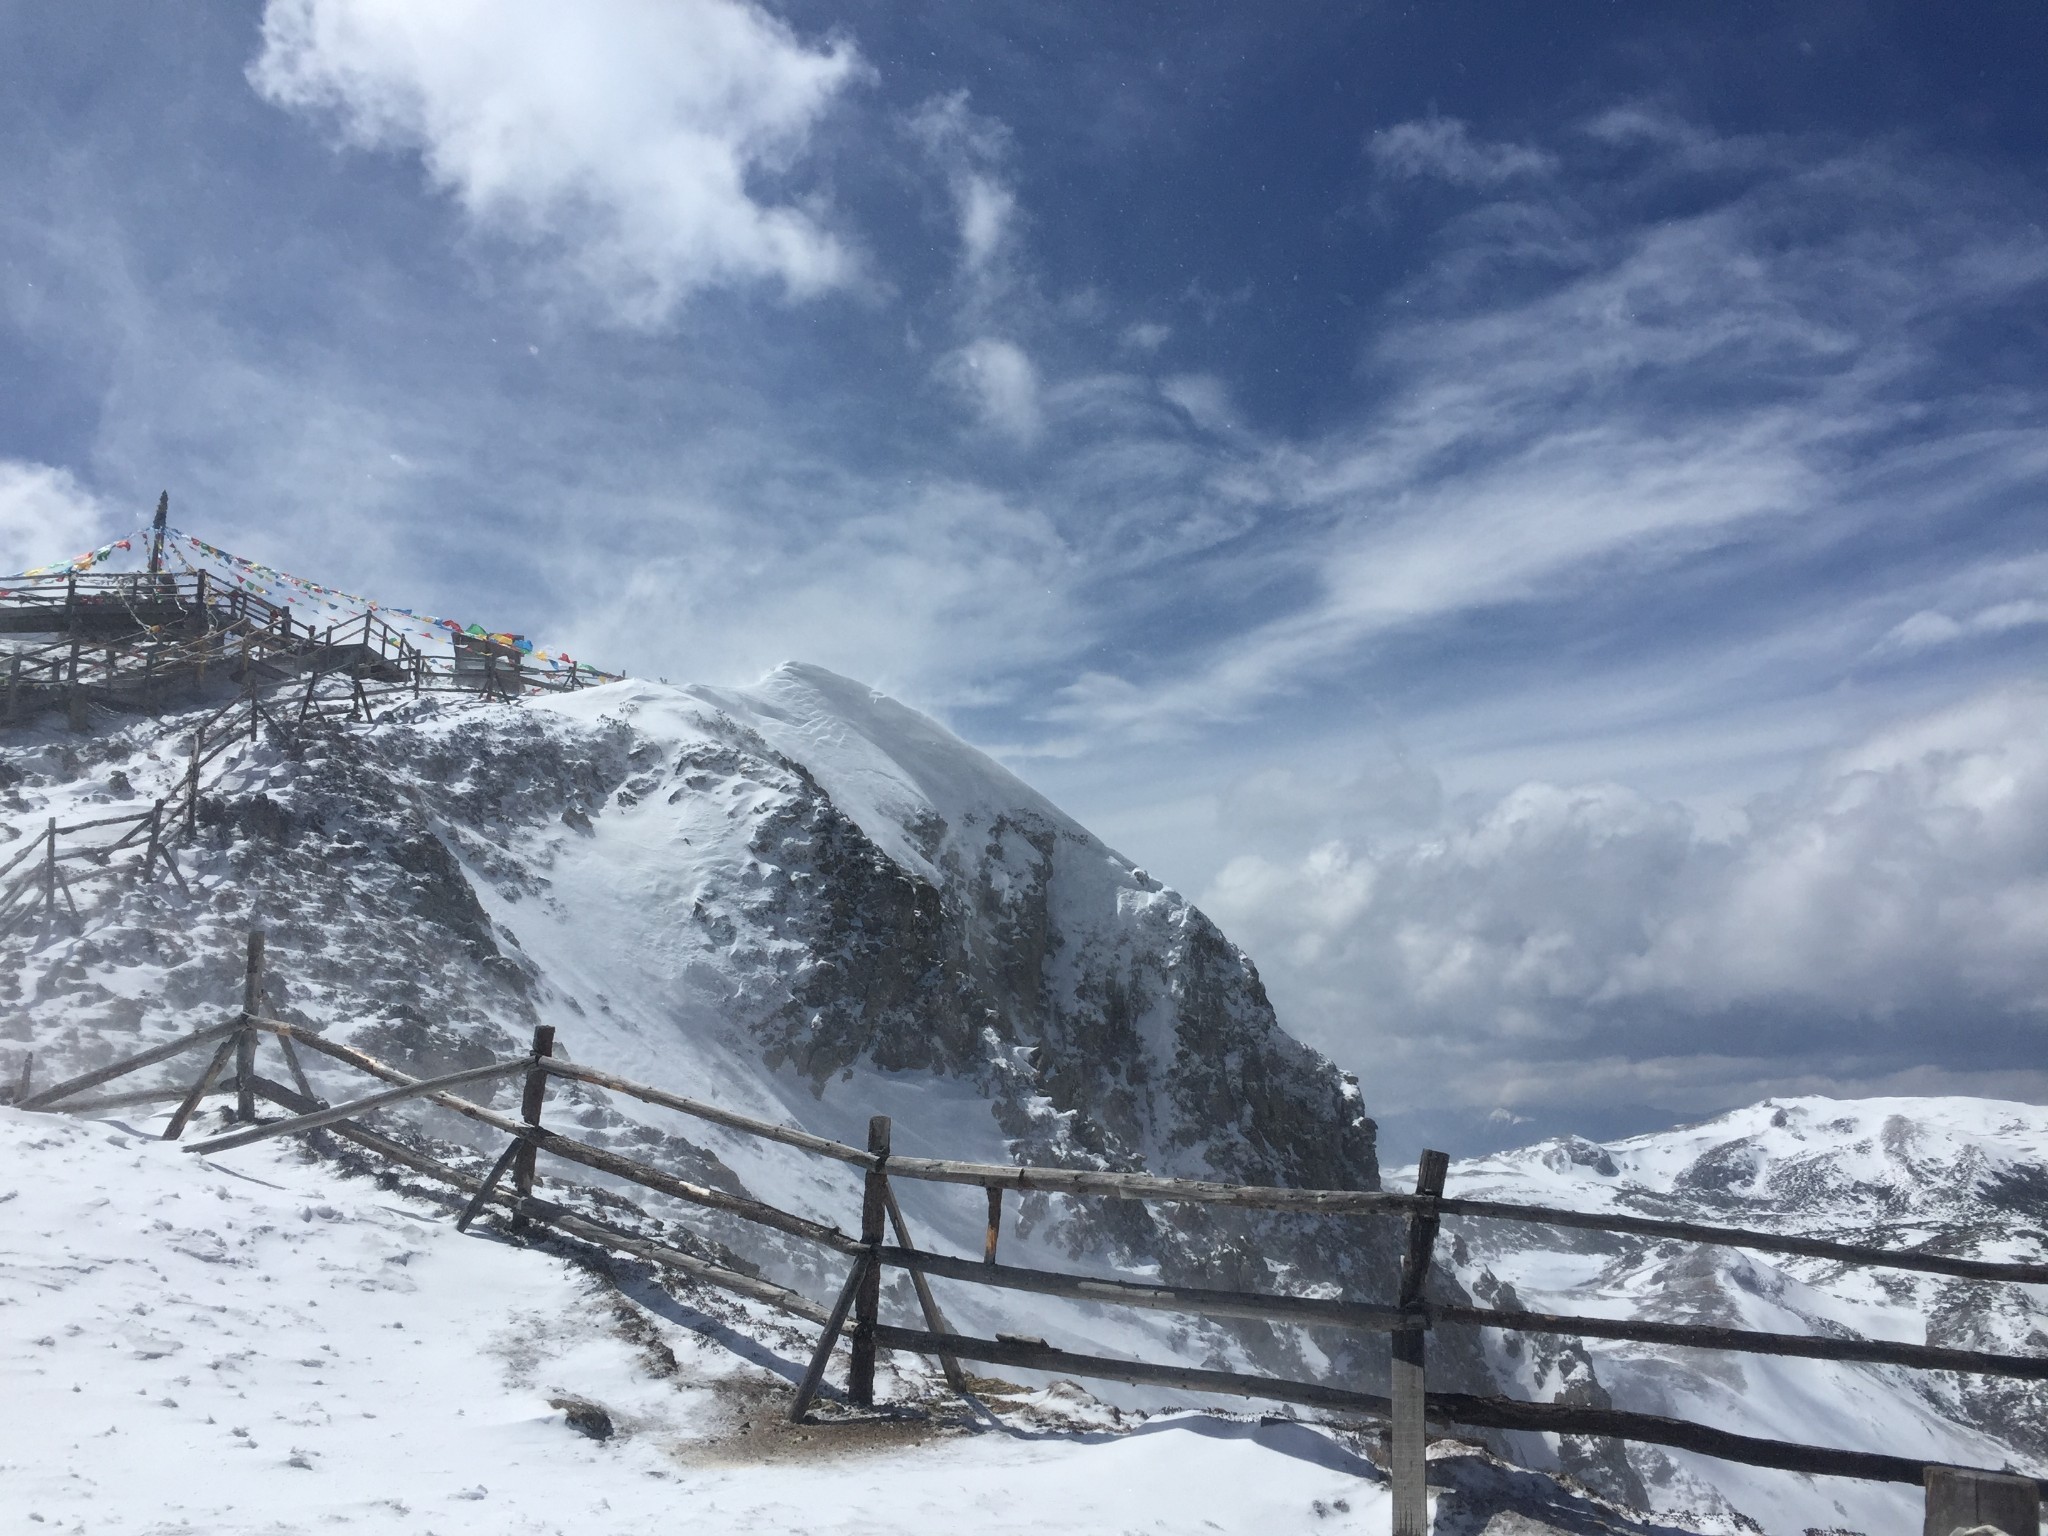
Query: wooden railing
[856,1312]
[125,638]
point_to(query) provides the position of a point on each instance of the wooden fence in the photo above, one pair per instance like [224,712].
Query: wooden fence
[130,639]
[856,1312]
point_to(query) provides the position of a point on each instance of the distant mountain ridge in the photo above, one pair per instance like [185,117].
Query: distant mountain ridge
[1967,1177]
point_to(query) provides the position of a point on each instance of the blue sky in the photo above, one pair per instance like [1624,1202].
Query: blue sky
[1532,515]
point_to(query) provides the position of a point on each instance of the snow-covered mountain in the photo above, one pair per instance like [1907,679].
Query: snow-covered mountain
[801,900]
[1965,1177]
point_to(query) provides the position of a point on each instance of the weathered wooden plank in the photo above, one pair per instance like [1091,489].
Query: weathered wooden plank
[765,1129]
[1681,1434]
[103,821]
[576,1152]
[1762,1242]
[1305,1310]
[58,1091]
[164,1093]
[1805,1346]
[995,1224]
[1033,1356]
[606,1236]
[356,1108]
[1145,1186]
[667,1183]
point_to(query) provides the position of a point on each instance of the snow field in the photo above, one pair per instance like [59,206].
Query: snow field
[256,1343]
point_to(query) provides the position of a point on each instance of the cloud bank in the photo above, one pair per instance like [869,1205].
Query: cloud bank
[1585,944]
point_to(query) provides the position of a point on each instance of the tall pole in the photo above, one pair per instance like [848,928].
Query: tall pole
[156,538]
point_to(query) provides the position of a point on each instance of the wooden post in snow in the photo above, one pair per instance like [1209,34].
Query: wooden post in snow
[995,1223]
[245,1039]
[867,1301]
[1408,1465]
[530,1106]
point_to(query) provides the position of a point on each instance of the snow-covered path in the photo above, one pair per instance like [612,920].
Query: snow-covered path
[257,1343]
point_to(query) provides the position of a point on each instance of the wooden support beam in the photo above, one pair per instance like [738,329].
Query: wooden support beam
[1806,1346]
[201,1088]
[766,1129]
[1408,1455]
[995,1224]
[1033,1356]
[490,1183]
[934,1319]
[1303,1310]
[355,1107]
[52,1095]
[1145,1186]
[835,1322]
[1680,1434]
[860,1378]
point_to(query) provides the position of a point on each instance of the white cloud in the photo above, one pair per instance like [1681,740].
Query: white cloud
[628,139]
[999,379]
[1443,147]
[45,516]
[1863,924]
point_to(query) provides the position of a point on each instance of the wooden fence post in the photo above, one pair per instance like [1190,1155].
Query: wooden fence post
[995,1224]
[245,1040]
[192,784]
[50,871]
[530,1105]
[867,1301]
[1408,1460]
[1961,1500]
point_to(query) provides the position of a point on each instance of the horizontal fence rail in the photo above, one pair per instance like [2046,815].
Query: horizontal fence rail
[857,1311]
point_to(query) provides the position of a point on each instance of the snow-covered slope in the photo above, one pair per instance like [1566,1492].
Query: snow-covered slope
[801,900]
[1966,1177]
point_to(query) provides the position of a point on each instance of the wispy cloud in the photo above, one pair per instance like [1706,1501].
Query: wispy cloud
[1736,378]
[1444,148]
[626,140]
